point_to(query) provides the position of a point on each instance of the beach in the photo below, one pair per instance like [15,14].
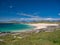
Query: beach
[42,25]
[36,27]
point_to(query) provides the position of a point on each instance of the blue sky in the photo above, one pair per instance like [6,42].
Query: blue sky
[16,9]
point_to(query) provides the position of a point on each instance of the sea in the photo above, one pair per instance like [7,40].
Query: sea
[10,27]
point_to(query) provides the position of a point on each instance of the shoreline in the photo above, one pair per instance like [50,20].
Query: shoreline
[36,27]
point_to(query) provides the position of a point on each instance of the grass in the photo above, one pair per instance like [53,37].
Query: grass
[42,38]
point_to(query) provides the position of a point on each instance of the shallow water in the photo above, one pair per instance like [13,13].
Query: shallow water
[9,27]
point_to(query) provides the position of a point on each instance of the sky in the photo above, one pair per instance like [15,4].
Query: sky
[29,9]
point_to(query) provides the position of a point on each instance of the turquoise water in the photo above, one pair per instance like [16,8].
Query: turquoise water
[14,27]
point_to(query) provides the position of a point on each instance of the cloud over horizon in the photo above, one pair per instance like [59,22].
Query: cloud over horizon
[29,15]
[32,17]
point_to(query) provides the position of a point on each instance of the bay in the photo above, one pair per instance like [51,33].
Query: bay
[9,27]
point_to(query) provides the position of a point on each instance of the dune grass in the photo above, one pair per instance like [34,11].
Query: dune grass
[42,38]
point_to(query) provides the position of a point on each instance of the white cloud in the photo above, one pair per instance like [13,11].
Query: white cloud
[38,19]
[32,19]
[59,14]
[52,19]
[48,18]
[35,17]
[29,19]
[28,15]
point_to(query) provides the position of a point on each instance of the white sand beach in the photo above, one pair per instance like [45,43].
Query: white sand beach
[42,25]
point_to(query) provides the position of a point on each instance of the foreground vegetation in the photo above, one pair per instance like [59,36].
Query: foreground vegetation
[41,38]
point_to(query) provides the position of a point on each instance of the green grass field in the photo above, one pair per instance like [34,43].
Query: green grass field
[42,38]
